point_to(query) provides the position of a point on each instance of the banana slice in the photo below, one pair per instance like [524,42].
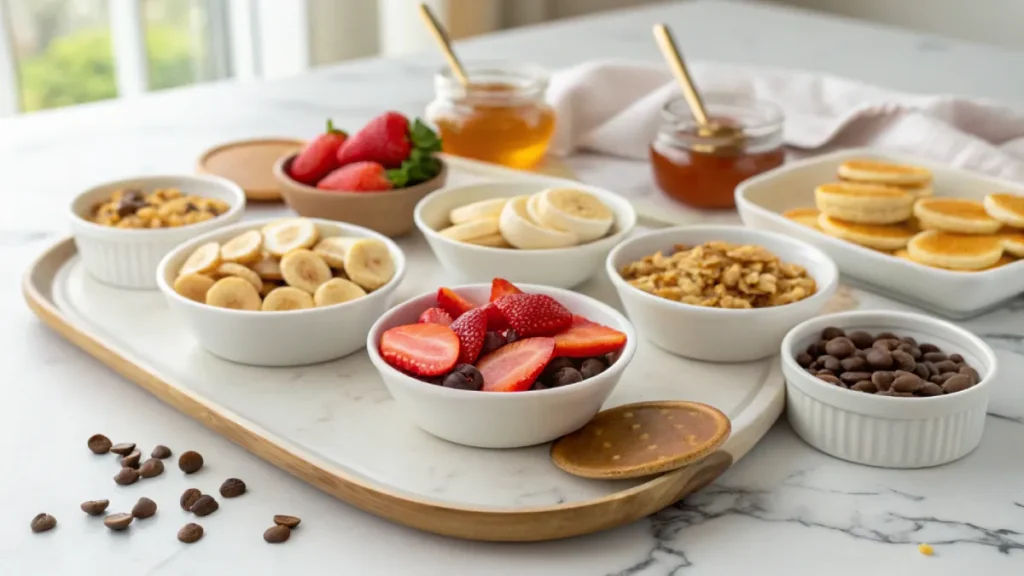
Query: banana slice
[533,211]
[519,231]
[268,287]
[268,267]
[477,210]
[492,240]
[235,293]
[332,250]
[245,248]
[232,269]
[468,231]
[193,286]
[287,298]
[282,237]
[368,263]
[305,270]
[205,259]
[336,291]
[574,211]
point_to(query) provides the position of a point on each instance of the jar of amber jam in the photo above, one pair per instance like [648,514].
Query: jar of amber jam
[702,169]
[499,117]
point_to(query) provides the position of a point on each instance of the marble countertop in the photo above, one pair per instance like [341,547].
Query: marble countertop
[784,509]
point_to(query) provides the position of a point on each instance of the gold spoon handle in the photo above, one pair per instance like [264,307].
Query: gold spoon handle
[675,61]
[444,42]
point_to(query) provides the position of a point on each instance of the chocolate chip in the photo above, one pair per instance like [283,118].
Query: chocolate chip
[934,356]
[883,380]
[232,488]
[190,462]
[840,347]
[555,365]
[830,363]
[862,353]
[903,360]
[204,506]
[851,378]
[188,498]
[824,372]
[922,371]
[132,459]
[285,520]
[43,522]
[971,373]
[861,339]
[906,383]
[957,383]
[566,376]
[956,358]
[886,344]
[591,367]
[946,366]
[126,476]
[926,348]
[161,452]
[879,358]
[910,349]
[887,336]
[492,341]
[118,522]
[814,367]
[909,340]
[832,332]
[929,389]
[864,386]
[941,378]
[151,468]
[190,533]
[830,379]
[804,359]
[277,534]
[853,364]
[464,377]
[144,508]
[932,370]
[99,444]
[511,336]
[123,449]
[95,507]
[538,386]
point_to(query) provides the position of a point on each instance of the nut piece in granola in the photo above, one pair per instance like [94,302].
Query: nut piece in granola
[721,275]
[161,208]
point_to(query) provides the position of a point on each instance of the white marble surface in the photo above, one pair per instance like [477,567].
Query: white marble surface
[785,509]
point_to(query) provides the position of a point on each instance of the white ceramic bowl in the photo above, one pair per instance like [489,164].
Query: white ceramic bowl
[560,267]
[716,334]
[501,419]
[883,430]
[289,338]
[129,258]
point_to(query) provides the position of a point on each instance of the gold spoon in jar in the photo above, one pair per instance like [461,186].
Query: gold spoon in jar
[707,127]
[444,43]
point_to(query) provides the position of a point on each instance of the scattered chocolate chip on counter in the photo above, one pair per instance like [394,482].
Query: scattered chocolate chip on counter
[277,534]
[43,522]
[132,459]
[188,498]
[190,462]
[123,448]
[95,507]
[161,452]
[285,520]
[144,508]
[152,467]
[190,533]
[118,521]
[204,506]
[232,488]
[126,476]
[99,444]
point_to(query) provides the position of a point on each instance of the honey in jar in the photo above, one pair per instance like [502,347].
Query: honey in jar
[499,117]
[701,168]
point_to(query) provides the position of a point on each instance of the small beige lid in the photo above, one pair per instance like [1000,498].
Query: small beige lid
[250,164]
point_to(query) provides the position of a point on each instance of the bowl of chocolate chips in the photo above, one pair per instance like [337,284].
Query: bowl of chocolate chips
[886,388]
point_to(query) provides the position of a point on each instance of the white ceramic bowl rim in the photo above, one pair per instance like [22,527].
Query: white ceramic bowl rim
[621,203]
[237,204]
[823,290]
[851,318]
[396,253]
[373,344]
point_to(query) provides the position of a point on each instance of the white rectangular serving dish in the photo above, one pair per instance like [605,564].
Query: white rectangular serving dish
[762,200]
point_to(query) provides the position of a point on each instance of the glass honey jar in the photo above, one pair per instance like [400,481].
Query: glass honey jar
[701,168]
[499,117]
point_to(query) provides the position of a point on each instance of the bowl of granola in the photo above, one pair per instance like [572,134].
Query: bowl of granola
[720,293]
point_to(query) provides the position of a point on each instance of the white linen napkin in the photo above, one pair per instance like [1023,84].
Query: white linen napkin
[614,108]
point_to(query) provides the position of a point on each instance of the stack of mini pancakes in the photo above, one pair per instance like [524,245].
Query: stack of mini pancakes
[889,207]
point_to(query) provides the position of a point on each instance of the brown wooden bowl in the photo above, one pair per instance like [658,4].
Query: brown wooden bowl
[389,213]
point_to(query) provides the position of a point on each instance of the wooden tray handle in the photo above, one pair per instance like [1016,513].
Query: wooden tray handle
[703,473]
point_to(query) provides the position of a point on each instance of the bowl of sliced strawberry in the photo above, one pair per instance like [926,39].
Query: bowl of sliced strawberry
[500,366]
[372,178]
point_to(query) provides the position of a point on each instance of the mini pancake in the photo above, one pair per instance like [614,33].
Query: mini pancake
[876,236]
[955,215]
[955,251]
[914,179]
[1007,208]
[1003,260]
[806,216]
[864,203]
[1013,242]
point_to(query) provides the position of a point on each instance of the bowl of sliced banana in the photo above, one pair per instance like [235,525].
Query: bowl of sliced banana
[320,283]
[530,232]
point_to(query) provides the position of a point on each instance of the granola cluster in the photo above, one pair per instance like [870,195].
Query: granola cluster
[721,275]
[163,208]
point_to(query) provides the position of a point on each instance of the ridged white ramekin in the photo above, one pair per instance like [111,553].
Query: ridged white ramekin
[888,431]
[128,258]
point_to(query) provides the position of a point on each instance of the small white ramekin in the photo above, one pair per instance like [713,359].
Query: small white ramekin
[888,431]
[559,267]
[128,258]
[292,338]
[717,334]
[501,419]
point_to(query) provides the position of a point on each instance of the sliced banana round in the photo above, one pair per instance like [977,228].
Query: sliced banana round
[332,250]
[205,259]
[574,211]
[282,237]
[304,270]
[533,211]
[233,269]
[193,286]
[268,267]
[336,291]
[235,293]
[245,248]
[287,298]
[469,231]
[491,240]
[368,263]
[477,210]
[521,232]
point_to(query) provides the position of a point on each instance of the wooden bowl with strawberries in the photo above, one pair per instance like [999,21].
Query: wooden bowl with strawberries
[373,178]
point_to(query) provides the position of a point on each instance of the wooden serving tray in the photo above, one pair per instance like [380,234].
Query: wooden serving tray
[334,425]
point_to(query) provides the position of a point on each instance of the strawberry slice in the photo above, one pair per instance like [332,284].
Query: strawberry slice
[471,328]
[421,349]
[501,287]
[514,367]
[495,320]
[318,158]
[534,314]
[435,316]
[357,177]
[586,339]
[452,303]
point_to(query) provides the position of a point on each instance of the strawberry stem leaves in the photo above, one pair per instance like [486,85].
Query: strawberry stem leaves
[421,165]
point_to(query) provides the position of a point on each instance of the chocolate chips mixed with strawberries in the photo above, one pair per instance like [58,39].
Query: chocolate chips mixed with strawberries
[515,342]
